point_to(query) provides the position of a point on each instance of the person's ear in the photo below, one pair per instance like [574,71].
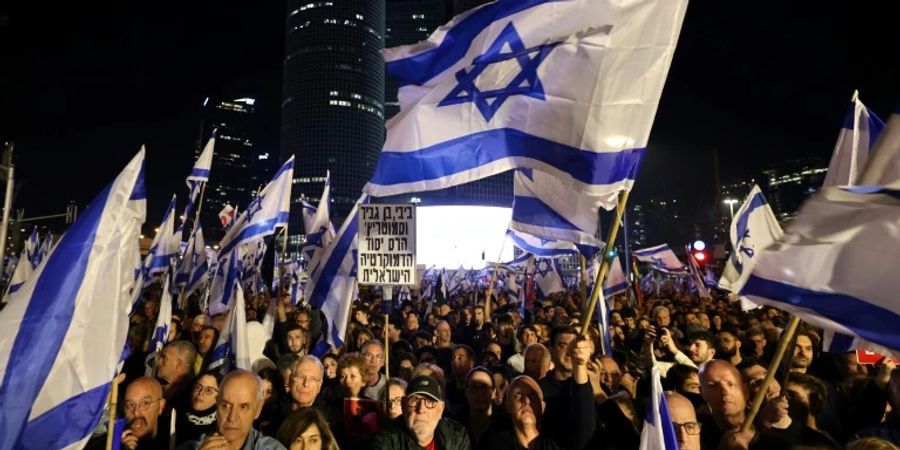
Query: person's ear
[162,405]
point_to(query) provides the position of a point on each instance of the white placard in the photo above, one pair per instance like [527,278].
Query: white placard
[387,244]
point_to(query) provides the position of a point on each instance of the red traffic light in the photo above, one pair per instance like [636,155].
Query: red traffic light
[699,256]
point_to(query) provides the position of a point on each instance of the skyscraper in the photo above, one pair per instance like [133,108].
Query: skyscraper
[332,100]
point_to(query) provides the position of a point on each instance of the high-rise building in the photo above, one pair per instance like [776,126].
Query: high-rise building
[332,114]
[233,178]
[789,183]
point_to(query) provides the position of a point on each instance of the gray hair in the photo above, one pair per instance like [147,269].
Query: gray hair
[309,358]
[240,373]
[184,350]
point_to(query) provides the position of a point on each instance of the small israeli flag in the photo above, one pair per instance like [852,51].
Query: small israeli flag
[160,336]
[569,88]
[661,258]
[754,227]
[319,231]
[658,432]
[858,135]
[232,351]
[26,265]
[166,245]
[541,246]
[547,276]
[615,282]
[194,267]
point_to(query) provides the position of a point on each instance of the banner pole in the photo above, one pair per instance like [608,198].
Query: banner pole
[786,339]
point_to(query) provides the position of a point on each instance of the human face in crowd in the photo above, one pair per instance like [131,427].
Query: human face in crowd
[704,321]
[445,310]
[362,338]
[722,389]
[143,406]
[729,344]
[395,397]
[662,317]
[643,324]
[412,322]
[684,419]
[717,321]
[529,337]
[480,392]
[500,385]
[616,319]
[373,355]
[203,395]
[691,384]
[798,401]
[524,405]
[303,320]
[560,352]
[759,344]
[310,439]
[610,374]
[205,341]
[151,309]
[168,367]
[267,391]
[461,363]
[352,381]
[295,341]
[494,348]
[393,332]
[479,316]
[422,414]
[754,376]
[803,353]
[238,408]
[442,334]
[306,381]
[331,365]
[406,369]
[701,352]
[197,325]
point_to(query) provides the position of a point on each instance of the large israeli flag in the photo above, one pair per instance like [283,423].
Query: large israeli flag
[658,432]
[541,246]
[320,231]
[270,209]
[544,206]
[166,245]
[858,135]
[60,346]
[569,88]
[332,286]
[834,267]
[753,228]
[661,258]
[160,336]
[232,351]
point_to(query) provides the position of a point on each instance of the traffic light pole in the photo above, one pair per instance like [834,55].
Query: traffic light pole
[7,200]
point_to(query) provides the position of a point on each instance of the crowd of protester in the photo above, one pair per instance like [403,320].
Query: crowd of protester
[451,374]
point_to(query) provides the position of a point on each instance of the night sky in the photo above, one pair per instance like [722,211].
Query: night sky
[83,86]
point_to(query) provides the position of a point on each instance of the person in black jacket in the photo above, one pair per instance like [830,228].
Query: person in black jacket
[421,426]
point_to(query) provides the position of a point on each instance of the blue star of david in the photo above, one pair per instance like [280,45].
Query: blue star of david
[544,240]
[657,262]
[255,207]
[543,267]
[525,83]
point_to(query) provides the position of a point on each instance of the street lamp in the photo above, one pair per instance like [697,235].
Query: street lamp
[730,202]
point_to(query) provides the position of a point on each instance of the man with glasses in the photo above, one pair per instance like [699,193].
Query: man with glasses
[143,406]
[421,426]
[684,420]
[306,382]
[373,355]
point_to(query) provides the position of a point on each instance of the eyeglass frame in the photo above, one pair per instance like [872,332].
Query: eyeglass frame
[413,402]
[206,390]
[143,405]
[686,426]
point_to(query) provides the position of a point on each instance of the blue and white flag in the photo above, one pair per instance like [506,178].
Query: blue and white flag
[658,432]
[227,275]
[199,175]
[858,135]
[753,228]
[332,286]
[166,245]
[308,210]
[661,258]
[232,351]
[160,336]
[456,283]
[44,250]
[615,282]
[547,276]
[60,345]
[320,231]
[541,246]
[544,206]
[695,281]
[883,167]
[268,210]
[569,88]
[25,266]
[194,266]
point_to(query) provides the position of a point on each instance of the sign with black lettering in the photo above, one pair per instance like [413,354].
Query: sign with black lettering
[387,244]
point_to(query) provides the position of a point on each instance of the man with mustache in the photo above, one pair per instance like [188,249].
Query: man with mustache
[144,404]
[421,426]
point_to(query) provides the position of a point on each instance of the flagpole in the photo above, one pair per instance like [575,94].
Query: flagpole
[604,266]
[113,405]
[490,291]
[584,297]
[284,244]
[199,204]
[773,366]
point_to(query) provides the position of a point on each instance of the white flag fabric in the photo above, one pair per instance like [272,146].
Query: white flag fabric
[160,336]
[547,277]
[226,276]
[270,209]
[883,167]
[658,432]
[332,286]
[200,171]
[615,282]
[569,88]
[28,262]
[541,246]
[858,135]
[835,265]
[661,258]
[320,232]
[166,245]
[60,346]
[544,206]
[194,267]
[232,351]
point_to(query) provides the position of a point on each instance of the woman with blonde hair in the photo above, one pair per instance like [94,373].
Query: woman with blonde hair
[306,429]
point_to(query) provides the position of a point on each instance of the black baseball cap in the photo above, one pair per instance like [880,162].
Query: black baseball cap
[425,385]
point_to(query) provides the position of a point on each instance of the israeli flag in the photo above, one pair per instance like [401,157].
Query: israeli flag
[615,282]
[268,321]
[160,336]
[696,280]
[541,246]
[754,227]
[308,210]
[858,135]
[270,209]
[548,277]
[60,345]
[544,206]
[661,258]
[199,174]
[456,281]
[25,266]
[320,231]
[166,245]
[658,432]
[227,274]
[44,250]
[568,88]
[332,285]
[232,351]
[194,267]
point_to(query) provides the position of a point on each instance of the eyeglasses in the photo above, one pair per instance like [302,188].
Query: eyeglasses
[205,390]
[414,402]
[303,380]
[140,406]
[370,356]
[396,401]
[691,428]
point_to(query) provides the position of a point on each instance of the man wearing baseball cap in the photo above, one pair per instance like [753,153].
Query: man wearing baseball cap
[421,426]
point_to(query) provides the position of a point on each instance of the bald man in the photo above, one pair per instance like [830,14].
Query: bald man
[537,361]
[684,420]
[143,405]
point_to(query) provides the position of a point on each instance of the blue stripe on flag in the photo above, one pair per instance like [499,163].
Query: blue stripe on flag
[140,190]
[254,230]
[39,341]
[419,68]
[668,430]
[199,173]
[67,422]
[482,148]
[538,251]
[651,250]
[532,211]
[612,290]
[868,321]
